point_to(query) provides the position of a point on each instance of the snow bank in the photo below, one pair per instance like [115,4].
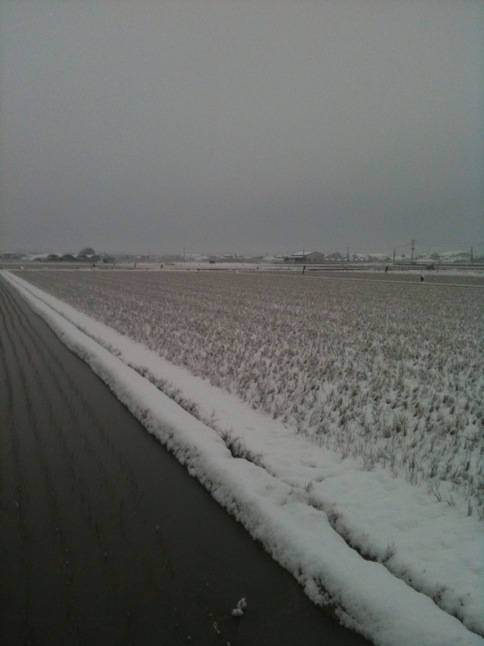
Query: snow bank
[305,504]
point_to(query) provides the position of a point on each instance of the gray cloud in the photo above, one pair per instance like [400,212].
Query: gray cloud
[153,126]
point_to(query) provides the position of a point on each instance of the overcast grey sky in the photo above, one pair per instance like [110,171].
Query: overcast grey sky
[241,126]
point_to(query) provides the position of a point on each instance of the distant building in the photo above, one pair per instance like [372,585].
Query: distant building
[305,258]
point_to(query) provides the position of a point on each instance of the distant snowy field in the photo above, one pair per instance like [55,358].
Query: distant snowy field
[355,418]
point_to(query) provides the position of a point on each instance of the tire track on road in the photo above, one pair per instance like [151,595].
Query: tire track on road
[32,460]
[91,444]
[85,474]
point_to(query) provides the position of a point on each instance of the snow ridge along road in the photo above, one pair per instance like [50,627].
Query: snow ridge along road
[255,479]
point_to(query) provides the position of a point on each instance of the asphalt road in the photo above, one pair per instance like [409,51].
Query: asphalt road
[104,537]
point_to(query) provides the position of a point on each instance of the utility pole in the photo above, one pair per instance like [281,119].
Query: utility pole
[394,252]
[413,248]
[472,255]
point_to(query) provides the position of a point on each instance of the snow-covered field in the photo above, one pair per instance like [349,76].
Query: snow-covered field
[391,373]
[340,421]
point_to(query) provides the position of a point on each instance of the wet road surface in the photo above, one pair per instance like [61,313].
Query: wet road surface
[104,537]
